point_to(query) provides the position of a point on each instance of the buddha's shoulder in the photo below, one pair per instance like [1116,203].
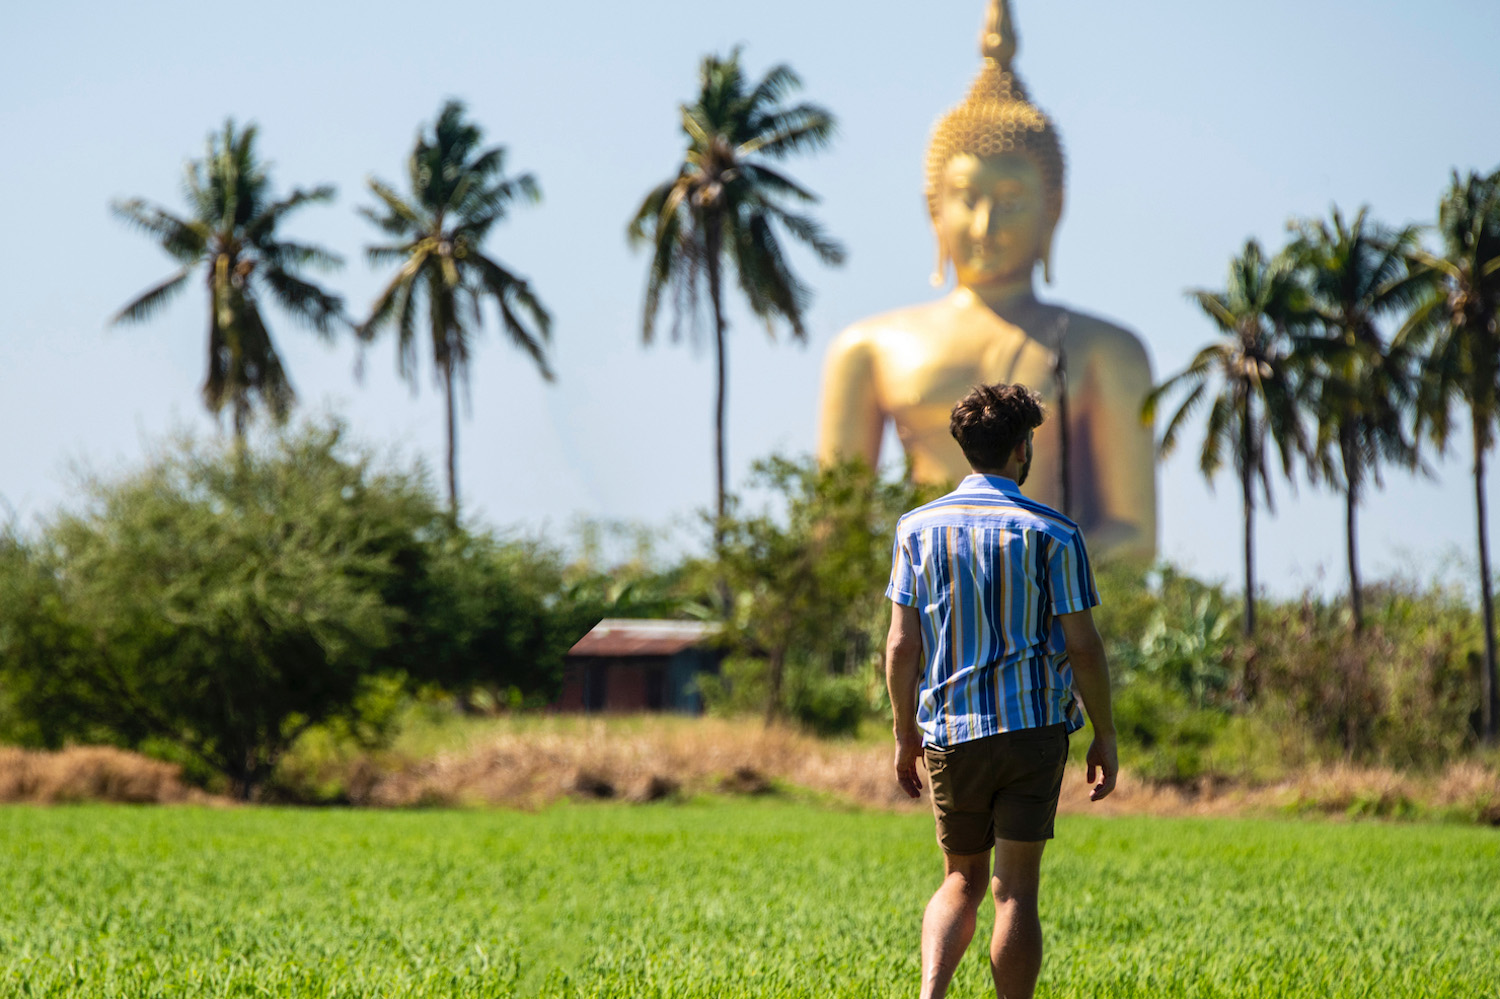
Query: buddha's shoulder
[873,334]
[1095,336]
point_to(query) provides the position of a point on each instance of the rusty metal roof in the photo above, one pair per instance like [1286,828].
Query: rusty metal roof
[624,637]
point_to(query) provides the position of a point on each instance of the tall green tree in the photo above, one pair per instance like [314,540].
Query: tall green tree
[1458,330]
[1248,382]
[459,192]
[726,200]
[1360,389]
[229,237]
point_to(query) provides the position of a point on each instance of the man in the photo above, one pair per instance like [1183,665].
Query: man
[991,632]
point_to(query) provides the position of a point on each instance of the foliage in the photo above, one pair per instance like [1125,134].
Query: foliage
[216,604]
[761,900]
[1248,381]
[1458,331]
[728,201]
[1360,390]
[459,193]
[230,237]
[1165,626]
[802,576]
[1194,699]
[1404,692]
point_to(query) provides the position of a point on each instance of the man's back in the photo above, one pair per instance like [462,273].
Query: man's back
[989,570]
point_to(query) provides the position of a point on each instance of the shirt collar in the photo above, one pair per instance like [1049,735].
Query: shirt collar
[984,483]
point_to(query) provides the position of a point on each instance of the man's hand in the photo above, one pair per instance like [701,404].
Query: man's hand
[1105,759]
[908,751]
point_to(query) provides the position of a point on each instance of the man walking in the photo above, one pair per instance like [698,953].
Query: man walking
[991,632]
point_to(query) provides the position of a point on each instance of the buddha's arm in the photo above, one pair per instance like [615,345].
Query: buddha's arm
[1118,378]
[850,421]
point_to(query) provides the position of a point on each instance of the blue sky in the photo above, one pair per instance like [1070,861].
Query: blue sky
[1188,128]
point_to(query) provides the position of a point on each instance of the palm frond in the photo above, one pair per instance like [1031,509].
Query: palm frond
[512,295]
[264,223]
[284,254]
[404,219]
[318,308]
[1185,411]
[810,232]
[185,241]
[772,184]
[149,302]
[804,128]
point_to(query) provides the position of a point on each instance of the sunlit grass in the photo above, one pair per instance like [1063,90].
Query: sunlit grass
[717,899]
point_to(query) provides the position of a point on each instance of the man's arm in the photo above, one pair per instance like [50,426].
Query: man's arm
[1091,677]
[903,670]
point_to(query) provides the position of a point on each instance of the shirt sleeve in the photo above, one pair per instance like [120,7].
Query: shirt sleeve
[1070,578]
[903,585]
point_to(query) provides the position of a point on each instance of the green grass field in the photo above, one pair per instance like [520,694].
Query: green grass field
[717,899]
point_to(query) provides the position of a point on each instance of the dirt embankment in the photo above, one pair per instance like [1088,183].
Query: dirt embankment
[530,769]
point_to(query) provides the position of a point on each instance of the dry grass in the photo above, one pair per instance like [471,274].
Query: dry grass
[532,765]
[623,759]
[91,773]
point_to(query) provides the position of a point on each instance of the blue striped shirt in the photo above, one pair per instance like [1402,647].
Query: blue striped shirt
[990,570]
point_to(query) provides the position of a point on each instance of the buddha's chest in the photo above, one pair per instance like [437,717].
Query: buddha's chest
[920,378]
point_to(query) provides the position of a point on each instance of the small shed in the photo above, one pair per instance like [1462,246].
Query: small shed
[639,665]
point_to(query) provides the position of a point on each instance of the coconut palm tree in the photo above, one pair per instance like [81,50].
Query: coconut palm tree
[1248,382]
[727,201]
[459,192]
[1458,330]
[229,237]
[1360,390]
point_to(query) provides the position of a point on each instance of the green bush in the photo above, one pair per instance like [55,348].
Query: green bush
[221,601]
[826,705]
[1403,692]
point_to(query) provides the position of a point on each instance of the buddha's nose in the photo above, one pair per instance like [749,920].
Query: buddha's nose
[981,225]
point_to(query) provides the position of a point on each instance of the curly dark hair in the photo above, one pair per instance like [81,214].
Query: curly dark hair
[993,420]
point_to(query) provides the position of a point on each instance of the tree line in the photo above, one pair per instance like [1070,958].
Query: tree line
[726,205]
[1347,352]
[1344,354]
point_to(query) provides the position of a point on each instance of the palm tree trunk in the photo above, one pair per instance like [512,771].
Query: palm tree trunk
[775,675]
[452,444]
[712,245]
[1247,482]
[1489,708]
[1351,502]
[1249,555]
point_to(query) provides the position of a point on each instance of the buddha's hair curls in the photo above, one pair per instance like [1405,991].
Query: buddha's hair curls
[996,118]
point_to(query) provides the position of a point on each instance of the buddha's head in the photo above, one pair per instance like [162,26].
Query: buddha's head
[995,172]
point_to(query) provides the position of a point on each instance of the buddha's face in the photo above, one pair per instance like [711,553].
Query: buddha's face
[992,217]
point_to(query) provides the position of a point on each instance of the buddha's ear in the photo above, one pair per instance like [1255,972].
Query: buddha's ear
[1046,254]
[940,273]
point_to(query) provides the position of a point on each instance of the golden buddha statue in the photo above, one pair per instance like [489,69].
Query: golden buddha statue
[995,194]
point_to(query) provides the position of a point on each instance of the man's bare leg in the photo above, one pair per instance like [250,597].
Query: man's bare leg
[948,924]
[1016,947]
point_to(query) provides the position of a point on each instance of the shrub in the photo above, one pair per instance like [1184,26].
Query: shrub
[1403,692]
[216,604]
[827,705]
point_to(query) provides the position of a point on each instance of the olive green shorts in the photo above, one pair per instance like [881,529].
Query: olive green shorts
[998,787]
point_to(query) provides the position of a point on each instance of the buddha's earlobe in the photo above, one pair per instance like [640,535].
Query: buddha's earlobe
[1047,256]
[940,273]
